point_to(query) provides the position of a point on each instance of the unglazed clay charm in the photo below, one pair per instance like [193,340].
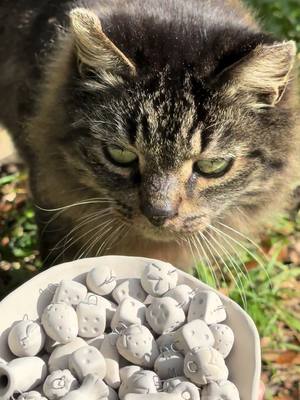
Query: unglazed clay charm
[129,312]
[182,294]
[170,384]
[125,374]
[60,322]
[112,394]
[164,315]
[31,396]
[224,390]
[137,345]
[87,360]
[153,396]
[143,382]
[224,338]
[91,320]
[92,388]
[59,358]
[205,365]
[207,305]
[100,301]
[69,292]
[109,351]
[166,342]
[187,391]
[59,383]
[26,338]
[157,278]
[21,375]
[193,335]
[101,280]
[129,288]
[169,364]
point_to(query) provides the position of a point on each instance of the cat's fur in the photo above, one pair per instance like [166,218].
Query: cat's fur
[173,80]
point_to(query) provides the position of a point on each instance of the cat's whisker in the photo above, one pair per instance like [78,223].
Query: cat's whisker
[259,262]
[209,246]
[76,240]
[113,235]
[244,237]
[240,288]
[192,252]
[245,272]
[87,220]
[89,244]
[95,200]
[209,263]
[238,282]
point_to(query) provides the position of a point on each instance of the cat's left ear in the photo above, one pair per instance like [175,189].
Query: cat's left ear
[95,51]
[266,71]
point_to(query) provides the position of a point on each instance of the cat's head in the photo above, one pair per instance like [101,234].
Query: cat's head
[176,149]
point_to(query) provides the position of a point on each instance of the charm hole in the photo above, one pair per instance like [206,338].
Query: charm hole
[4,381]
[186,395]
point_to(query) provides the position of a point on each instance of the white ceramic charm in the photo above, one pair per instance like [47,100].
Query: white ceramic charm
[110,307]
[33,395]
[129,312]
[129,288]
[112,359]
[125,374]
[207,305]
[187,391]
[193,335]
[69,292]
[169,364]
[92,388]
[224,338]
[59,383]
[170,384]
[26,338]
[60,322]
[224,390]
[59,358]
[21,375]
[91,319]
[101,280]
[182,294]
[158,277]
[143,381]
[165,315]
[205,365]
[137,345]
[87,360]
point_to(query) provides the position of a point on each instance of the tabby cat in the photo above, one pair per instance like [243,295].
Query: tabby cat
[149,128]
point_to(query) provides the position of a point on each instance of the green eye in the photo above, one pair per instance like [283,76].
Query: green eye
[214,167]
[120,156]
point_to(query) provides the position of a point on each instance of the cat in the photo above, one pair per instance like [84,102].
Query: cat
[150,128]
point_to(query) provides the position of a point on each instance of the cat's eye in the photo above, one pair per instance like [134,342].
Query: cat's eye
[214,167]
[120,156]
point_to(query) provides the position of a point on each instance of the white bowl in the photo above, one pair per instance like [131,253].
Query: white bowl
[244,361]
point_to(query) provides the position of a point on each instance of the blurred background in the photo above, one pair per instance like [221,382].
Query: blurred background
[266,278]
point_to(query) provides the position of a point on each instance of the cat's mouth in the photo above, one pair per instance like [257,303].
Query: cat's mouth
[173,229]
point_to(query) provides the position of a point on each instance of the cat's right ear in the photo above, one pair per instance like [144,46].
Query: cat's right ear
[95,51]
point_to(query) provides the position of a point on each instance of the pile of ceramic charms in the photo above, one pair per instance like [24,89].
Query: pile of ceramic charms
[122,339]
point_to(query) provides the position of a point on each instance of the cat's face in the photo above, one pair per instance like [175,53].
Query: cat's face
[175,153]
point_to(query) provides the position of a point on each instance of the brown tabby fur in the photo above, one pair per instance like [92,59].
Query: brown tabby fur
[92,84]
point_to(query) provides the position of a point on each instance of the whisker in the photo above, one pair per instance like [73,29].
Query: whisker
[241,289]
[94,200]
[210,265]
[247,251]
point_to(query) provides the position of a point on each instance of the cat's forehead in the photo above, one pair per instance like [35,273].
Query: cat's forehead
[166,120]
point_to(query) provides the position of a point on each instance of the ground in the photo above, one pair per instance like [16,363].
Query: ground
[266,281]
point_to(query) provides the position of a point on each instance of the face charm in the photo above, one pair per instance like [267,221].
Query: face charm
[158,278]
[59,383]
[204,366]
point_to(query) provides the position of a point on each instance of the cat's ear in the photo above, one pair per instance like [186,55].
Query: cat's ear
[266,71]
[95,51]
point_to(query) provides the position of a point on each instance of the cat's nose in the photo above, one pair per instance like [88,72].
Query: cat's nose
[158,216]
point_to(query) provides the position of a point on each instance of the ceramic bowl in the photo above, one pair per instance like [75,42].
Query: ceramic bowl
[244,361]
